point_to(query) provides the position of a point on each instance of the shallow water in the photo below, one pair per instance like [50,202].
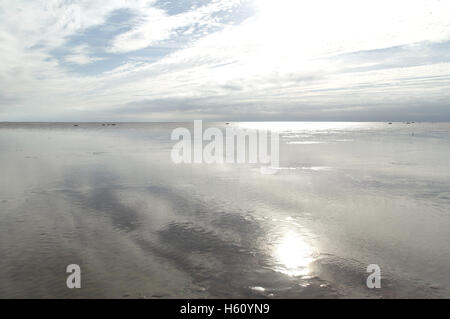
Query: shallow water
[109,199]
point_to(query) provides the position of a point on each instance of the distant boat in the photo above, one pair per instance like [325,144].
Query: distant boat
[75,125]
[390,123]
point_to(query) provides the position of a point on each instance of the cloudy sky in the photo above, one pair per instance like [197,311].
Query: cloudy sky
[173,60]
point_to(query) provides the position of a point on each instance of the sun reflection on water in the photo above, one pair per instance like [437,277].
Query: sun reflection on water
[293,255]
[300,126]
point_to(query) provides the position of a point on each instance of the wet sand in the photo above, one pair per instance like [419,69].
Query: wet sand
[109,199]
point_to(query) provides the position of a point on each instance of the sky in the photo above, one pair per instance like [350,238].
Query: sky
[228,60]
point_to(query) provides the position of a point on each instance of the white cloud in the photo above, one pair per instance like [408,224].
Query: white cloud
[81,55]
[283,59]
[156,25]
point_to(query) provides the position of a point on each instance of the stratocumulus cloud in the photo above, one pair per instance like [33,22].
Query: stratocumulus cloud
[229,59]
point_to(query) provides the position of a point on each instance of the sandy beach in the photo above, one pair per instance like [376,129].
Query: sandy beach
[109,199]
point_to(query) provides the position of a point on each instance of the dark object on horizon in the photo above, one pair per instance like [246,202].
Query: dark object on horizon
[75,125]
[103,124]
[227,123]
[390,123]
[113,124]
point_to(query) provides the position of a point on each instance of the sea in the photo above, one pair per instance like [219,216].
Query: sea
[344,199]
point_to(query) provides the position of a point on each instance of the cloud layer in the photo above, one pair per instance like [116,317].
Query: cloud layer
[224,60]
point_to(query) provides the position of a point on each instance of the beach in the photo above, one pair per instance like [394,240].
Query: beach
[109,199]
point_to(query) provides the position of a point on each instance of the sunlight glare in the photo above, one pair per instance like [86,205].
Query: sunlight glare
[293,255]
